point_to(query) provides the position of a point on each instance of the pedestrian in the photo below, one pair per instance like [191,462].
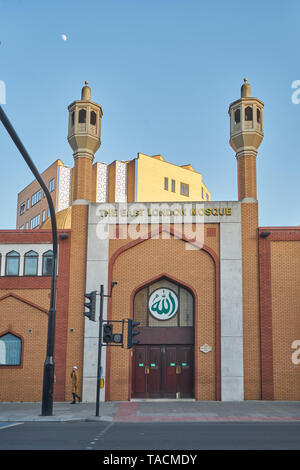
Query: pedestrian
[74,377]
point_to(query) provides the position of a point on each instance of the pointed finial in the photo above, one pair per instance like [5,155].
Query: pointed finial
[245,89]
[86,92]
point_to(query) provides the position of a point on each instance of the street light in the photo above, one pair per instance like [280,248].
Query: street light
[48,380]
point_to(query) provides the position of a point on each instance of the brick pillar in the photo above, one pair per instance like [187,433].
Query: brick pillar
[246,168]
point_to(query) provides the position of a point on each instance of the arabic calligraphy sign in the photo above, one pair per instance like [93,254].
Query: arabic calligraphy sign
[163,304]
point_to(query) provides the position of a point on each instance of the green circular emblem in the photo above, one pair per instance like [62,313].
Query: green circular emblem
[163,304]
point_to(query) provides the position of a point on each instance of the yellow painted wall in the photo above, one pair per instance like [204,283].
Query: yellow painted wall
[151,172]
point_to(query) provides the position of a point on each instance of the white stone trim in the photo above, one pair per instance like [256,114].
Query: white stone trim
[96,274]
[232,365]
[231,301]
[80,202]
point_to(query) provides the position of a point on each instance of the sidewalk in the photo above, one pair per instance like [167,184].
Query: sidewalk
[155,411]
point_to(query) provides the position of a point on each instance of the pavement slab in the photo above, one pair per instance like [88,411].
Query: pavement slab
[154,411]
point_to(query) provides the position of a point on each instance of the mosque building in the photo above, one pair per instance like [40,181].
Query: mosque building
[216,296]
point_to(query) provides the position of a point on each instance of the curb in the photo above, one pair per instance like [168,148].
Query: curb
[152,419]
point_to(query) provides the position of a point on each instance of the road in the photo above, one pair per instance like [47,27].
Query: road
[149,436]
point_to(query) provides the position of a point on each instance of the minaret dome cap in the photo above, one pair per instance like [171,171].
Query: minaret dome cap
[86,92]
[245,89]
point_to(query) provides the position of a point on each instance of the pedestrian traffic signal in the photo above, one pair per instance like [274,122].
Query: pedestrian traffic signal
[91,305]
[131,333]
[109,336]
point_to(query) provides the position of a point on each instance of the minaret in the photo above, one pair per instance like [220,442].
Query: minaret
[246,134]
[84,136]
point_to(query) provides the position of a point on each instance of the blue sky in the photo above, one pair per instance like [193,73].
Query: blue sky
[164,72]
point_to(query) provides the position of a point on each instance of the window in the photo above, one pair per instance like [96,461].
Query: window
[51,185]
[43,215]
[21,227]
[36,197]
[202,192]
[48,212]
[93,118]
[26,225]
[10,350]
[35,221]
[22,208]
[72,118]
[12,264]
[207,197]
[28,204]
[173,186]
[248,114]
[82,116]
[184,189]
[30,263]
[258,115]
[47,263]
[237,116]
[166,184]
[184,315]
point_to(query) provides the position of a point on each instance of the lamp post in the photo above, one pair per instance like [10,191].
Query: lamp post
[48,380]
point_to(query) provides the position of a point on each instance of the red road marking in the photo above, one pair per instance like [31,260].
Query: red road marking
[128,413]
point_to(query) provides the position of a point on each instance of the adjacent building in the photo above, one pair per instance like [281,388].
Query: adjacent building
[32,206]
[141,179]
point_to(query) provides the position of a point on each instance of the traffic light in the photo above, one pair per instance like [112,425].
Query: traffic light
[131,333]
[91,305]
[109,336]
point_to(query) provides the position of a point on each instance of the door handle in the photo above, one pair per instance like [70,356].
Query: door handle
[178,370]
[147,370]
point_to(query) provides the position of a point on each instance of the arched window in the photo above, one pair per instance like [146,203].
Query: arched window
[93,118]
[30,263]
[12,264]
[258,115]
[82,116]
[47,263]
[237,116]
[164,304]
[10,350]
[248,114]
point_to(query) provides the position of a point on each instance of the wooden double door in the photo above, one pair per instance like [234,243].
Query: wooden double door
[163,371]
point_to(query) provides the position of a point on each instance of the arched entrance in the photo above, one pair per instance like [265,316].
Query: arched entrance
[163,362]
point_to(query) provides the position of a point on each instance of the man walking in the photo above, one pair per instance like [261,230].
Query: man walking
[74,377]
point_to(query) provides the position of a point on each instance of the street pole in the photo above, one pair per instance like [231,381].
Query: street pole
[48,379]
[99,350]
[100,343]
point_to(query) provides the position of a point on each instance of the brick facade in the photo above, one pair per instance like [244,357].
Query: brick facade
[279,305]
[24,304]
[196,269]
